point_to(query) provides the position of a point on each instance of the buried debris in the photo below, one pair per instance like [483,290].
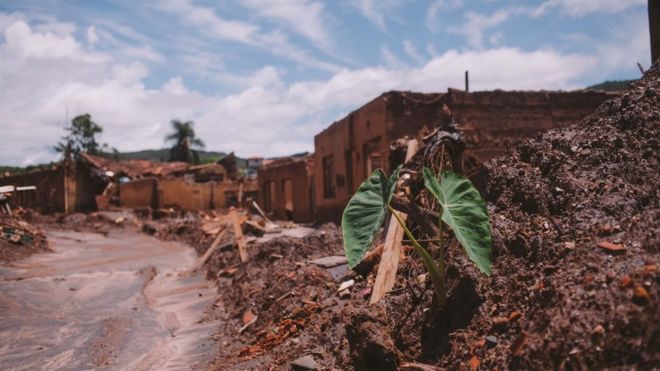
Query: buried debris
[329,261]
[305,363]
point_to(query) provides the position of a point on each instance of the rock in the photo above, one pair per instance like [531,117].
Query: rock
[345,294]
[641,296]
[305,363]
[499,323]
[330,261]
[598,330]
[625,281]
[345,285]
[492,340]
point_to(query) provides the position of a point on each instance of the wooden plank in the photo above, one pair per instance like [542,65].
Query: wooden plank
[214,246]
[389,261]
[240,238]
[240,193]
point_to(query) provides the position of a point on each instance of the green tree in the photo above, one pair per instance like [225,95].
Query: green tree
[82,136]
[184,139]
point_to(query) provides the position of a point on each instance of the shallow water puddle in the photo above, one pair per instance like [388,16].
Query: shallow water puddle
[104,302]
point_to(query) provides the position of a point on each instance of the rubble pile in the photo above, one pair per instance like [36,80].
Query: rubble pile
[284,305]
[18,238]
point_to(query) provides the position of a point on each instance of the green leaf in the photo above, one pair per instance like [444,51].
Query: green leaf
[465,212]
[365,213]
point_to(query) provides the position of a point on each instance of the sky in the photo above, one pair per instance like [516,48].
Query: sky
[262,77]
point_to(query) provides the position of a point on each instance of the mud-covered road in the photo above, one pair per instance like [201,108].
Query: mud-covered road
[104,302]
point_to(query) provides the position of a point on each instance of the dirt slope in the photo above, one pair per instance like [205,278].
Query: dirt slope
[575,216]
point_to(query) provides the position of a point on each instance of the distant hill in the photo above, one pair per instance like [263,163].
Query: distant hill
[611,85]
[13,170]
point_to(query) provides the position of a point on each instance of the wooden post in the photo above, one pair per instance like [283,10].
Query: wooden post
[212,248]
[240,194]
[240,238]
[389,261]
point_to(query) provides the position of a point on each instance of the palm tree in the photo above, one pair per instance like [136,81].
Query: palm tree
[184,140]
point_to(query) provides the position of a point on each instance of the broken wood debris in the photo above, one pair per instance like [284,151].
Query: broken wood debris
[238,233]
[611,247]
[389,261]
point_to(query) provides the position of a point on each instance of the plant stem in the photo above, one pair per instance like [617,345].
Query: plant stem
[437,275]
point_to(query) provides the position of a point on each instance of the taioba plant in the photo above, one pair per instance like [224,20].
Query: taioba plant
[461,207]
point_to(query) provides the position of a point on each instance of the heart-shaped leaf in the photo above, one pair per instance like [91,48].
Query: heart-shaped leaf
[364,214]
[464,211]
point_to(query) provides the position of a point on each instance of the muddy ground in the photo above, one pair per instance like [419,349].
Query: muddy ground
[575,277]
[575,281]
[106,297]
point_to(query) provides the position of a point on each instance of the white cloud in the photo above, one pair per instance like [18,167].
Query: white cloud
[206,21]
[377,11]
[23,43]
[582,7]
[145,53]
[175,86]
[475,24]
[47,77]
[92,37]
[436,8]
[306,17]
[412,52]
[391,60]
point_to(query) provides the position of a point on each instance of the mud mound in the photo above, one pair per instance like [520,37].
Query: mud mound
[575,281]
[576,233]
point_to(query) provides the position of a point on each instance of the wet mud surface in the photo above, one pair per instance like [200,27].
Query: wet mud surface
[105,301]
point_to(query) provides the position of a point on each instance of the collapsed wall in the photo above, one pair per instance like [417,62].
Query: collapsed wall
[286,187]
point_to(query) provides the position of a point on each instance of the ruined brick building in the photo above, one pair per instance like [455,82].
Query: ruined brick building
[90,183]
[287,187]
[351,148]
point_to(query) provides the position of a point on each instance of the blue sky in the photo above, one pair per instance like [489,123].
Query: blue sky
[261,77]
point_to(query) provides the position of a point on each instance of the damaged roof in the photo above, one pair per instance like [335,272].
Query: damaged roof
[280,161]
[134,168]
